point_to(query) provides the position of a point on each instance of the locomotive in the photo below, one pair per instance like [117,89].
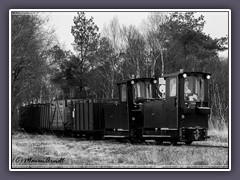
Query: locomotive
[173,108]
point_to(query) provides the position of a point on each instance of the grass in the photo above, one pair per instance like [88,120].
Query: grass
[218,129]
[80,153]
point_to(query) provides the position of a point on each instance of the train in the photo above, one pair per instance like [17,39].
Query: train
[173,108]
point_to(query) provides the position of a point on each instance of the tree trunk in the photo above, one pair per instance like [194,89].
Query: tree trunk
[138,69]
[112,86]
[153,67]
[154,64]
[162,61]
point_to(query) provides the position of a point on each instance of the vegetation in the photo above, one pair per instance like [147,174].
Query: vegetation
[79,153]
[29,68]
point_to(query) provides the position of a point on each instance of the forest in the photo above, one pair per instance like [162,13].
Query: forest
[42,71]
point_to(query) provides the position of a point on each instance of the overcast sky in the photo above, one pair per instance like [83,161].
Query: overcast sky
[216,23]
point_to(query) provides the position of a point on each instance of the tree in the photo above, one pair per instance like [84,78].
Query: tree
[109,57]
[219,91]
[65,73]
[113,33]
[135,53]
[86,38]
[156,37]
[187,46]
[106,69]
[29,42]
[27,52]
[58,60]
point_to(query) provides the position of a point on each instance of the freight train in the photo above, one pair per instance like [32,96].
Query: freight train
[173,108]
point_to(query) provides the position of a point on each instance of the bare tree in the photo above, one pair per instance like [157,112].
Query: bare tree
[113,32]
[135,51]
[156,36]
[110,53]
[29,43]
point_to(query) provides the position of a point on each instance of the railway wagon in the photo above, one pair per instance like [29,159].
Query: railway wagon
[88,117]
[76,117]
[172,108]
[54,116]
[34,117]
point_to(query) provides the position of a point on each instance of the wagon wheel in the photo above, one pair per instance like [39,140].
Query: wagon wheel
[188,142]
[97,137]
[67,133]
[28,129]
[88,137]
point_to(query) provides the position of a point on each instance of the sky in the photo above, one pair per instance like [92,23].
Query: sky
[216,23]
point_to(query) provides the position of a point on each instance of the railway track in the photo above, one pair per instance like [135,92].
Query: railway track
[208,146]
[182,144]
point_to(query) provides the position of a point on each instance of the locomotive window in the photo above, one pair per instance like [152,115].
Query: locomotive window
[148,90]
[139,90]
[173,87]
[142,90]
[194,89]
[123,93]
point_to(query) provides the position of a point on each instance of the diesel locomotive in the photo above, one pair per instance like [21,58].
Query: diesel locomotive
[172,108]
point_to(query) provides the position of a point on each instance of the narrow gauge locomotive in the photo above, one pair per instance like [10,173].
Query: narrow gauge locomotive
[172,108]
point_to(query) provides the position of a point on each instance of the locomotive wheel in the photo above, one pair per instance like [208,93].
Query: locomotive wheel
[188,142]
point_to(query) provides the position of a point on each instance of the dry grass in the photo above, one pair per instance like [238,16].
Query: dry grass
[80,153]
[218,130]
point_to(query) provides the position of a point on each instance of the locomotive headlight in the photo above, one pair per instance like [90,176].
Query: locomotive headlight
[208,76]
[154,81]
[184,75]
[132,82]
[133,118]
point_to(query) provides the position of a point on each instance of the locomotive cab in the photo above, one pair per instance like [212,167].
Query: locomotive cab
[194,108]
[183,114]
[124,119]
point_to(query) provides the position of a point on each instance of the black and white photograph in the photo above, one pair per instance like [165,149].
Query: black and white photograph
[120,89]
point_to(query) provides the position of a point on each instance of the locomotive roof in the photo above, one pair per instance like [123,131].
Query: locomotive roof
[136,80]
[188,73]
[165,75]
